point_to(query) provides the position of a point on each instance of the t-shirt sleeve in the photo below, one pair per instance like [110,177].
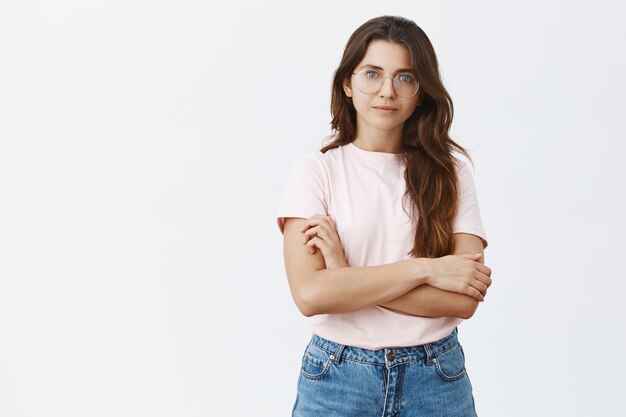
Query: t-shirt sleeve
[304,194]
[468,215]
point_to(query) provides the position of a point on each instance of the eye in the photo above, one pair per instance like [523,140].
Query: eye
[371,74]
[406,78]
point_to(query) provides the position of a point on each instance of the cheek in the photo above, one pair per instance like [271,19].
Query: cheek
[411,108]
[359,102]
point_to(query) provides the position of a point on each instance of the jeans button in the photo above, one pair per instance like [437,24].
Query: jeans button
[391,356]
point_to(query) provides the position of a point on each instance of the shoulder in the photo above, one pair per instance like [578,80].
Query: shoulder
[312,159]
[317,163]
[463,170]
[461,164]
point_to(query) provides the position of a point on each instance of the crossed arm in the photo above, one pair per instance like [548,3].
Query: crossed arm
[319,287]
[428,301]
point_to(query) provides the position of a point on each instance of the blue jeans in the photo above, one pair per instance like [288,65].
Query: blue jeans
[426,380]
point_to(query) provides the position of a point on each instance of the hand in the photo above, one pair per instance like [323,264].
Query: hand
[461,274]
[320,233]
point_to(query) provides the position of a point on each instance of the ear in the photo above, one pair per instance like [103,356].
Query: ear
[347,88]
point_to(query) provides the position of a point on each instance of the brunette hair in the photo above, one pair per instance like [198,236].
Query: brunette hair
[431,178]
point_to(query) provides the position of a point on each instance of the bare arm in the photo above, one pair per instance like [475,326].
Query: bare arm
[317,290]
[321,288]
[428,301]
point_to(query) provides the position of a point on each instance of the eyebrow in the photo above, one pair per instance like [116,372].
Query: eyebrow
[380,69]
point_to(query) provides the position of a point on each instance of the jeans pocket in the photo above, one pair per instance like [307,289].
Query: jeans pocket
[450,364]
[316,362]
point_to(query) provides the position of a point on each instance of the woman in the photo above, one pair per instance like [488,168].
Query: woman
[383,241]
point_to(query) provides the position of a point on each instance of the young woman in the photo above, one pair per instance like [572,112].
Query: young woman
[383,240]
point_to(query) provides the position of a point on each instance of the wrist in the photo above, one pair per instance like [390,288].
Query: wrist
[423,271]
[336,263]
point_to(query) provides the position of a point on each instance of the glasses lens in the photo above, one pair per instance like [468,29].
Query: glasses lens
[405,85]
[369,81]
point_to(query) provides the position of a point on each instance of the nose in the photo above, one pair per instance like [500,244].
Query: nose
[387,90]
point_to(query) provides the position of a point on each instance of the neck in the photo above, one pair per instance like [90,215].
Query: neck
[379,140]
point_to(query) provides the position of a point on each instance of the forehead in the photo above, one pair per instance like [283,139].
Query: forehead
[389,56]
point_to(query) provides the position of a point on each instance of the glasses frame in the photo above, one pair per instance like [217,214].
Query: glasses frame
[394,82]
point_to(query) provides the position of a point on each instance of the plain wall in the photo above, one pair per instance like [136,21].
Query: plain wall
[144,147]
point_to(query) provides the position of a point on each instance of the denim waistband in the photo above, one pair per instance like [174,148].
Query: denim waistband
[388,356]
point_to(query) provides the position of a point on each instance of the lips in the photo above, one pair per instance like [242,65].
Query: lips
[388,108]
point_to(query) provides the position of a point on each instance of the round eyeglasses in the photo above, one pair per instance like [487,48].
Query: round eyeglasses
[369,81]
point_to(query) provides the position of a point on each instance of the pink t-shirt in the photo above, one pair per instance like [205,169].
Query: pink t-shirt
[362,191]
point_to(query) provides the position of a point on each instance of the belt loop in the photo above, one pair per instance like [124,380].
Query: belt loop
[429,354]
[338,353]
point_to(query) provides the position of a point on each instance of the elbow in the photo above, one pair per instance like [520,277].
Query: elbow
[468,309]
[306,307]
[306,300]
[307,312]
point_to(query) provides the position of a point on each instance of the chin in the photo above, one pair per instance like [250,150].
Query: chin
[387,127]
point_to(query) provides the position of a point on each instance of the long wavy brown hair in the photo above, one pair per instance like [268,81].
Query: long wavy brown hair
[428,149]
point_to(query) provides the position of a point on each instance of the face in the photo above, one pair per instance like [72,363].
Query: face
[384,110]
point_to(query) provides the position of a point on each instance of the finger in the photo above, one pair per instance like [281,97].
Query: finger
[318,243]
[315,222]
[311,246]
[474,293]
[485,279]
[309,233]
[331,222]
[466,289]
[482,288]
[317,231]
[329,236]
[311,221]
[306,238]
[329,226]
[312,233]
[326,224]
[483,268]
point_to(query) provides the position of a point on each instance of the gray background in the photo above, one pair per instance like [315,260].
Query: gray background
[144,147]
